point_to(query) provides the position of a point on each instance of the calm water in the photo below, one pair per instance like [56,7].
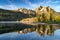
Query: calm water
[41,32]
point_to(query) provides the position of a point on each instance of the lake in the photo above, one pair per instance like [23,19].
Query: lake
[40,32]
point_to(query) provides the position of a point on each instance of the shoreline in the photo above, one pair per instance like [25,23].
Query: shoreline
[27,23]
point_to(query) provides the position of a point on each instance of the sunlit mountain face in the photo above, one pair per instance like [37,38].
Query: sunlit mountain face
[47,14]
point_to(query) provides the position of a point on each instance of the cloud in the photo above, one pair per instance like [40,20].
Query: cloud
[13,7]
[45,2]
[9,7]
[49,2]
[30,4]
[55,2]
[57,8]
[1,6]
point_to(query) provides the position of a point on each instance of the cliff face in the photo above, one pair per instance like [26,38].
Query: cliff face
[46,13]
[45,10]
[26,11]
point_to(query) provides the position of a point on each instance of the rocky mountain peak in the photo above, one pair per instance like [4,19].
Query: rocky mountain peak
[42,9]
[26,11]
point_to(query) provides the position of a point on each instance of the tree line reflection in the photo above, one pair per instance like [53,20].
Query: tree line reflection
[43,30]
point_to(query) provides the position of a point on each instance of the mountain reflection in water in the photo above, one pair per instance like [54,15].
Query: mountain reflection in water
[42,29]
[40,32]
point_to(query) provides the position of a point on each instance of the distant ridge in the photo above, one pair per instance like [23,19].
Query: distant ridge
[11,15]
[26,11]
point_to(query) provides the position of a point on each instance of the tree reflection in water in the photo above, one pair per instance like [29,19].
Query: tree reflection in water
[46,29]
[42,29]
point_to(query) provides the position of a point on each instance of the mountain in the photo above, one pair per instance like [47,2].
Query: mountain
[42,13]
[26,11]
[46,14]
[12,15]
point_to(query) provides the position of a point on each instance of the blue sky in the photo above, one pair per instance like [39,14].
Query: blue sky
[29,4]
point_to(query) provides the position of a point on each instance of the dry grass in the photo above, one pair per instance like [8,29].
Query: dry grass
[29,20]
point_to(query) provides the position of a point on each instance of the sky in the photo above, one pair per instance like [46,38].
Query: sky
[29,4]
